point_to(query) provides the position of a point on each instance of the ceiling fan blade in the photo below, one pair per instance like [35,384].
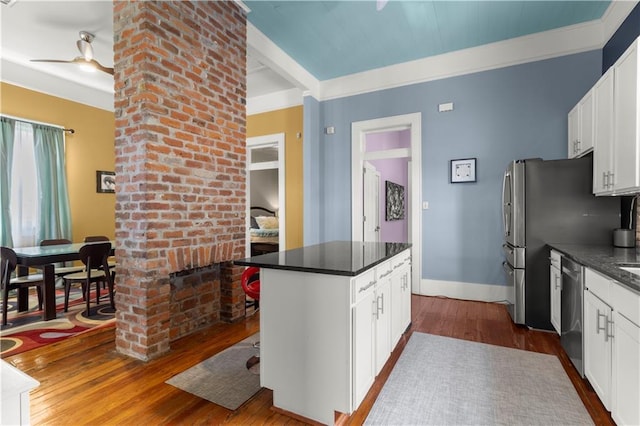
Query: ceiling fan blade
[53,60]
[102,67]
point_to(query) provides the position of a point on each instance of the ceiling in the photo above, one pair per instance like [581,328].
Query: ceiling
[328,38]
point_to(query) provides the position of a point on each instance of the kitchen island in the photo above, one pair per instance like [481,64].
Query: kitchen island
[330,316]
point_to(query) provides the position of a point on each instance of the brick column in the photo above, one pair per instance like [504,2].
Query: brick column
[180,71]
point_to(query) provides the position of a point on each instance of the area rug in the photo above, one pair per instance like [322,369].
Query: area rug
[445,381]
[224,378]
[26,330]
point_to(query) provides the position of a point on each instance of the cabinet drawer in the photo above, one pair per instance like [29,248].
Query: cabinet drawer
[383,270]
[626,302]
[401,260]
[598,284]
[362,285]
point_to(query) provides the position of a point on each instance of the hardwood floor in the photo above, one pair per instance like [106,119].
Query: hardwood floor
[84,381]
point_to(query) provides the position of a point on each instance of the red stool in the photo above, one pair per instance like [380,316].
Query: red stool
[251,285]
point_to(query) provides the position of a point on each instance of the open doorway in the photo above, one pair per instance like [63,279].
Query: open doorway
[406,129]
[266,221]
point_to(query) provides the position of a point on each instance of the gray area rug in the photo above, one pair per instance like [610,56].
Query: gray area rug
[223,379]
[445,381]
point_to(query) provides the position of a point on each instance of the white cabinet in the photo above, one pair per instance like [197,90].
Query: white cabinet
[612,346]
[324,337]
[603,139]
[556,289]
[598,346]
[15,387]
[382,315]
[400,296]
[580,127]
[626,372]
[363,336]
[626,123]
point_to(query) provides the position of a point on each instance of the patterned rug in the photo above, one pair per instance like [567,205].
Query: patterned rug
[26,330]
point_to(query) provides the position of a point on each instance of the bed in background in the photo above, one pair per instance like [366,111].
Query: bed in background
[263,231]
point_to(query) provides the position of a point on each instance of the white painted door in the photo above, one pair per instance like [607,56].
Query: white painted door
[371,202]
[597,346]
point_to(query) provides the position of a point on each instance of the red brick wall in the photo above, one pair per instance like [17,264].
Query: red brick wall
[180,160]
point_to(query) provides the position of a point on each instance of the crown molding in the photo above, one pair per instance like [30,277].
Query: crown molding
[614,16]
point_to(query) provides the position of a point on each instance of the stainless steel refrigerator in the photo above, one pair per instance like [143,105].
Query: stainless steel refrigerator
[546,202]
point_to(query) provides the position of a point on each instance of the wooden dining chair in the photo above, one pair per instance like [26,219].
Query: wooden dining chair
[99,238]
[94,257]
[8,264]
[61,269]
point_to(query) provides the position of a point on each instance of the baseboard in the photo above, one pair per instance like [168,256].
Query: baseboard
[466,291]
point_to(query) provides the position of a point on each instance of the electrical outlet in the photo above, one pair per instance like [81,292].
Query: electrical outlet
[425,205]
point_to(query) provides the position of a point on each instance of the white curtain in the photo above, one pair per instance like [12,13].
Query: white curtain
[24,189]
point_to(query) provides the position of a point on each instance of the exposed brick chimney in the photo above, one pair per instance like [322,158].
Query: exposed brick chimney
[180,72]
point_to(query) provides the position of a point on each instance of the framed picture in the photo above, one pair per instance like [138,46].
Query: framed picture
[463,170]
[105,182]
[394,201]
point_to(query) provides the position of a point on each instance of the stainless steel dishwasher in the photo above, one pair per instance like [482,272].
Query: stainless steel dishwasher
[571,305]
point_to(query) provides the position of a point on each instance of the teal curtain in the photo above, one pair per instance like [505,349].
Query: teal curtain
[55,214]
[6,155]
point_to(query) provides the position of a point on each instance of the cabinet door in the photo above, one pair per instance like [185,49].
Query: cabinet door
[382,323]
[597,346]
[556,288]
[603,137]
[573,131]
[626,153]
[626,372]
[585,140]
[401,302]
[406,298]
[363,313]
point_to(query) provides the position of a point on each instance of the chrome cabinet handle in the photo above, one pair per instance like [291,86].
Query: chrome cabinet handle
[608,332]
[385,274]
[604,180]
[598,328]
[367,286]
[611,180]
[381,304]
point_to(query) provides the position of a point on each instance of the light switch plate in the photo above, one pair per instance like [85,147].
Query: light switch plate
[425,205]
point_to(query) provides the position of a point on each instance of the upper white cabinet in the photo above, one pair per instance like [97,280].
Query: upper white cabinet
[616,118]
[581,127]
[626,122]
[603,139]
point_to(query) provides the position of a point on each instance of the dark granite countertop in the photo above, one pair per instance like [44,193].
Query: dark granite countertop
[349,258]
[606,260]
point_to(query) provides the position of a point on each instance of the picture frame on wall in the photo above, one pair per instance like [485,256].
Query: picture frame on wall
[462,170]
[394,201]
[105,182]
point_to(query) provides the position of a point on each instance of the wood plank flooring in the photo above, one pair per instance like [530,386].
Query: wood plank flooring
[84,381]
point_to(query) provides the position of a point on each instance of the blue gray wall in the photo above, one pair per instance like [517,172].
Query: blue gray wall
[500,115]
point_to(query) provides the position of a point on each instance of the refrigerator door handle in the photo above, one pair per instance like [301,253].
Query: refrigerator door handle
[506,207]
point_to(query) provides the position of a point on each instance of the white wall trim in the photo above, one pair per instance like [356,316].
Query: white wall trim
[465,291]
[274,101]
[359,130]
[614,16]
[276,139]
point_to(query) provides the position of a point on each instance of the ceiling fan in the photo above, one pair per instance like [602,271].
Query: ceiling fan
[86,60]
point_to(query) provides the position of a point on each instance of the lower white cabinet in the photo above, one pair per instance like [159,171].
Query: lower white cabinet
[598,346]
[555,281]
[324,338]
[400,296]
[626,372]
[612,346]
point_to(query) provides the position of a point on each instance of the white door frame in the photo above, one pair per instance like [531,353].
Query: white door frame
[276,140]
[370,169]
[359,130]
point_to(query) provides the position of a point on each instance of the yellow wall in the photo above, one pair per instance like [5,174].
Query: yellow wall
[289,121]
[90,148]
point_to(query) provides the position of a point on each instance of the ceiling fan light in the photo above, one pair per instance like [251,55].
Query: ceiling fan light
[87,66]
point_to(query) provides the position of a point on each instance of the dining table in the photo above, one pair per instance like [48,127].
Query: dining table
[45,258]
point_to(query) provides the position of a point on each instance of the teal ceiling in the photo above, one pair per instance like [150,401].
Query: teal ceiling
[336,38]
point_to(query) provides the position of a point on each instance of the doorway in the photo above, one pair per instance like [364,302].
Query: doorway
[360,131]
[266,188]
